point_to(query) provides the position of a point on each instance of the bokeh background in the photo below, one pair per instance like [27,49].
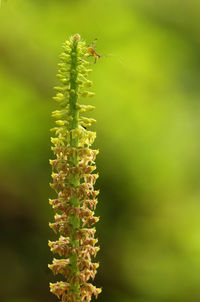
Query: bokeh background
[147,87]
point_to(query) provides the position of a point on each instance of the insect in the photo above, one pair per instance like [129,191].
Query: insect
[92,51]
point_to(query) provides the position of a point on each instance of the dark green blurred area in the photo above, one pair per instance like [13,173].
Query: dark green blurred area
[147,89]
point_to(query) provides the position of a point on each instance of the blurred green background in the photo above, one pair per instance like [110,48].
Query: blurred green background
[147,89]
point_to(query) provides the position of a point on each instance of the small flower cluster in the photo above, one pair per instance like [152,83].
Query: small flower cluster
[73,179]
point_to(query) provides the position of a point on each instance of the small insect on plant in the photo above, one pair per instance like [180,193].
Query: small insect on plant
[92,51]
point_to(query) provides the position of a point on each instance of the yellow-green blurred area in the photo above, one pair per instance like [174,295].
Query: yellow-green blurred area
[147,86]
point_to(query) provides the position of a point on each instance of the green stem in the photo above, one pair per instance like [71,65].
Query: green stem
[74,180]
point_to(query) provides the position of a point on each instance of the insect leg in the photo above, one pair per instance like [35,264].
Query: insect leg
[94,43]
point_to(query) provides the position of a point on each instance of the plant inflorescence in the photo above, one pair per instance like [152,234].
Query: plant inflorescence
[73,179]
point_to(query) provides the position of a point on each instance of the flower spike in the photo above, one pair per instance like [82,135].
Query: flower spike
[73,179]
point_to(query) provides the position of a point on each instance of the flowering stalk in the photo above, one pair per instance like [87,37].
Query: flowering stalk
[73,179]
